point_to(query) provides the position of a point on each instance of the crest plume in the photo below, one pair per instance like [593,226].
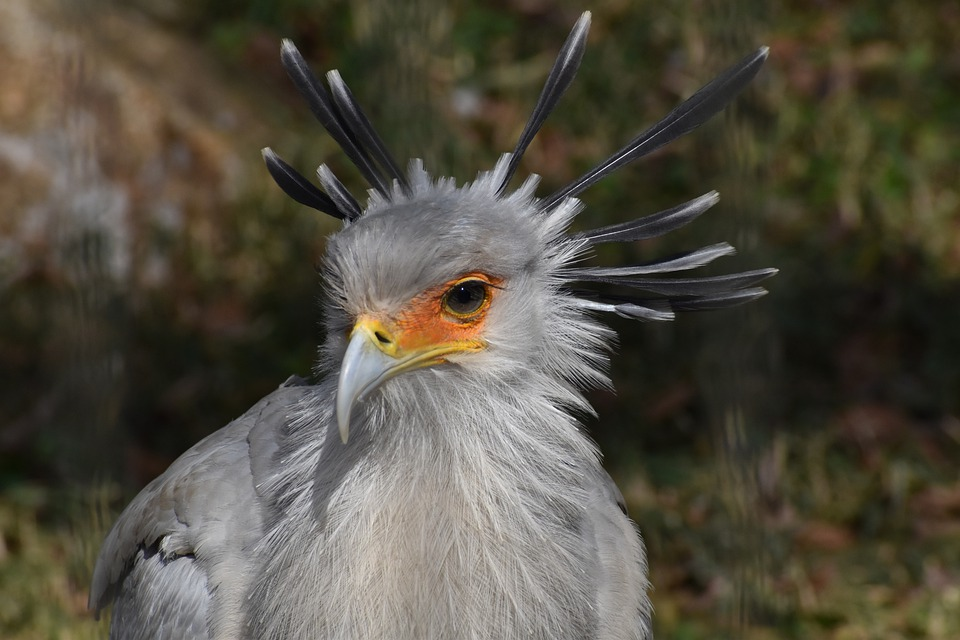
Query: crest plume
[340,114]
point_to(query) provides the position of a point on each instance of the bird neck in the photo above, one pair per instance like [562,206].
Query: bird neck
[442,518]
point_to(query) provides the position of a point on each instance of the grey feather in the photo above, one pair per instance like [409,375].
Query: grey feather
[683,262]
[178,555]
[646,308]
[468,501]
[658,310]
[359,124]
[343,199]
[721,300]
[681,286]
[653,225]
[326,113]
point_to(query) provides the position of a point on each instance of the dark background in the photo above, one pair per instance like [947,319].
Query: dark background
[794,465]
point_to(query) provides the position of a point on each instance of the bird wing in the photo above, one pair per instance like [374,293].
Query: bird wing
[622,604]
[182,548]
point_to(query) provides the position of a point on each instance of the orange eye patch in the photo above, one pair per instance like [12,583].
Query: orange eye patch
[453,312]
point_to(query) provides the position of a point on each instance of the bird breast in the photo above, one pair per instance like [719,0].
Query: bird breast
[455,534]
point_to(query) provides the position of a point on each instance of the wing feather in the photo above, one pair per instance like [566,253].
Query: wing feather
[180,550]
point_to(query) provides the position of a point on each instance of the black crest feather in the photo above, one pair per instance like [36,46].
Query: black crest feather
[360,126]
[298,187]
[326,112]
[689,115]
[559,79]
[340,114]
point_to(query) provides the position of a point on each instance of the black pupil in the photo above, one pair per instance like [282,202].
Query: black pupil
[466,297]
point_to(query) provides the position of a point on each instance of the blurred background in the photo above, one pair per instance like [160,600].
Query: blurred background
[794,465]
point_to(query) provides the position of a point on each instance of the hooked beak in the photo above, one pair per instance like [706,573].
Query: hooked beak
[374,355]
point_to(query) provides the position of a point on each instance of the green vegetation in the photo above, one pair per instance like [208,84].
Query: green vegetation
[794,466]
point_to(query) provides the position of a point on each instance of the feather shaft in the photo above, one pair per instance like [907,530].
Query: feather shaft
[299,188]
[686,117]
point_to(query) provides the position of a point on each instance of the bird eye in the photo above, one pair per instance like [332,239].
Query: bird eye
[465,298]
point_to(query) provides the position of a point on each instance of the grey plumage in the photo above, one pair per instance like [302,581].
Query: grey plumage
[434,483]
[653,225]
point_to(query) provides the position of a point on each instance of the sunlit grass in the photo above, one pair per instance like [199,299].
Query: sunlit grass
[827,531]
[833,550]
[47,549]
[827,563]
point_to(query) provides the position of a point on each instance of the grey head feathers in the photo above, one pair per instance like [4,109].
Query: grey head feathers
[636,294]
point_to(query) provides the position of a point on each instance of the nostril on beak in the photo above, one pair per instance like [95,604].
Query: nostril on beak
[382,338]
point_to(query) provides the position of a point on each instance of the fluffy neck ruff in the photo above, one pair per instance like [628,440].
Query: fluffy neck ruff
[454,511]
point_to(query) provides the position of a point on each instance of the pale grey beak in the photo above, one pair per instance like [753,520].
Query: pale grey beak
[374,356]
[365,367]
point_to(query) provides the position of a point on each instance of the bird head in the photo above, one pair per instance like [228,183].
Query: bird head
[430,277]
[456,278]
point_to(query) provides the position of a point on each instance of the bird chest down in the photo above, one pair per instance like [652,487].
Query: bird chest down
[434,482]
